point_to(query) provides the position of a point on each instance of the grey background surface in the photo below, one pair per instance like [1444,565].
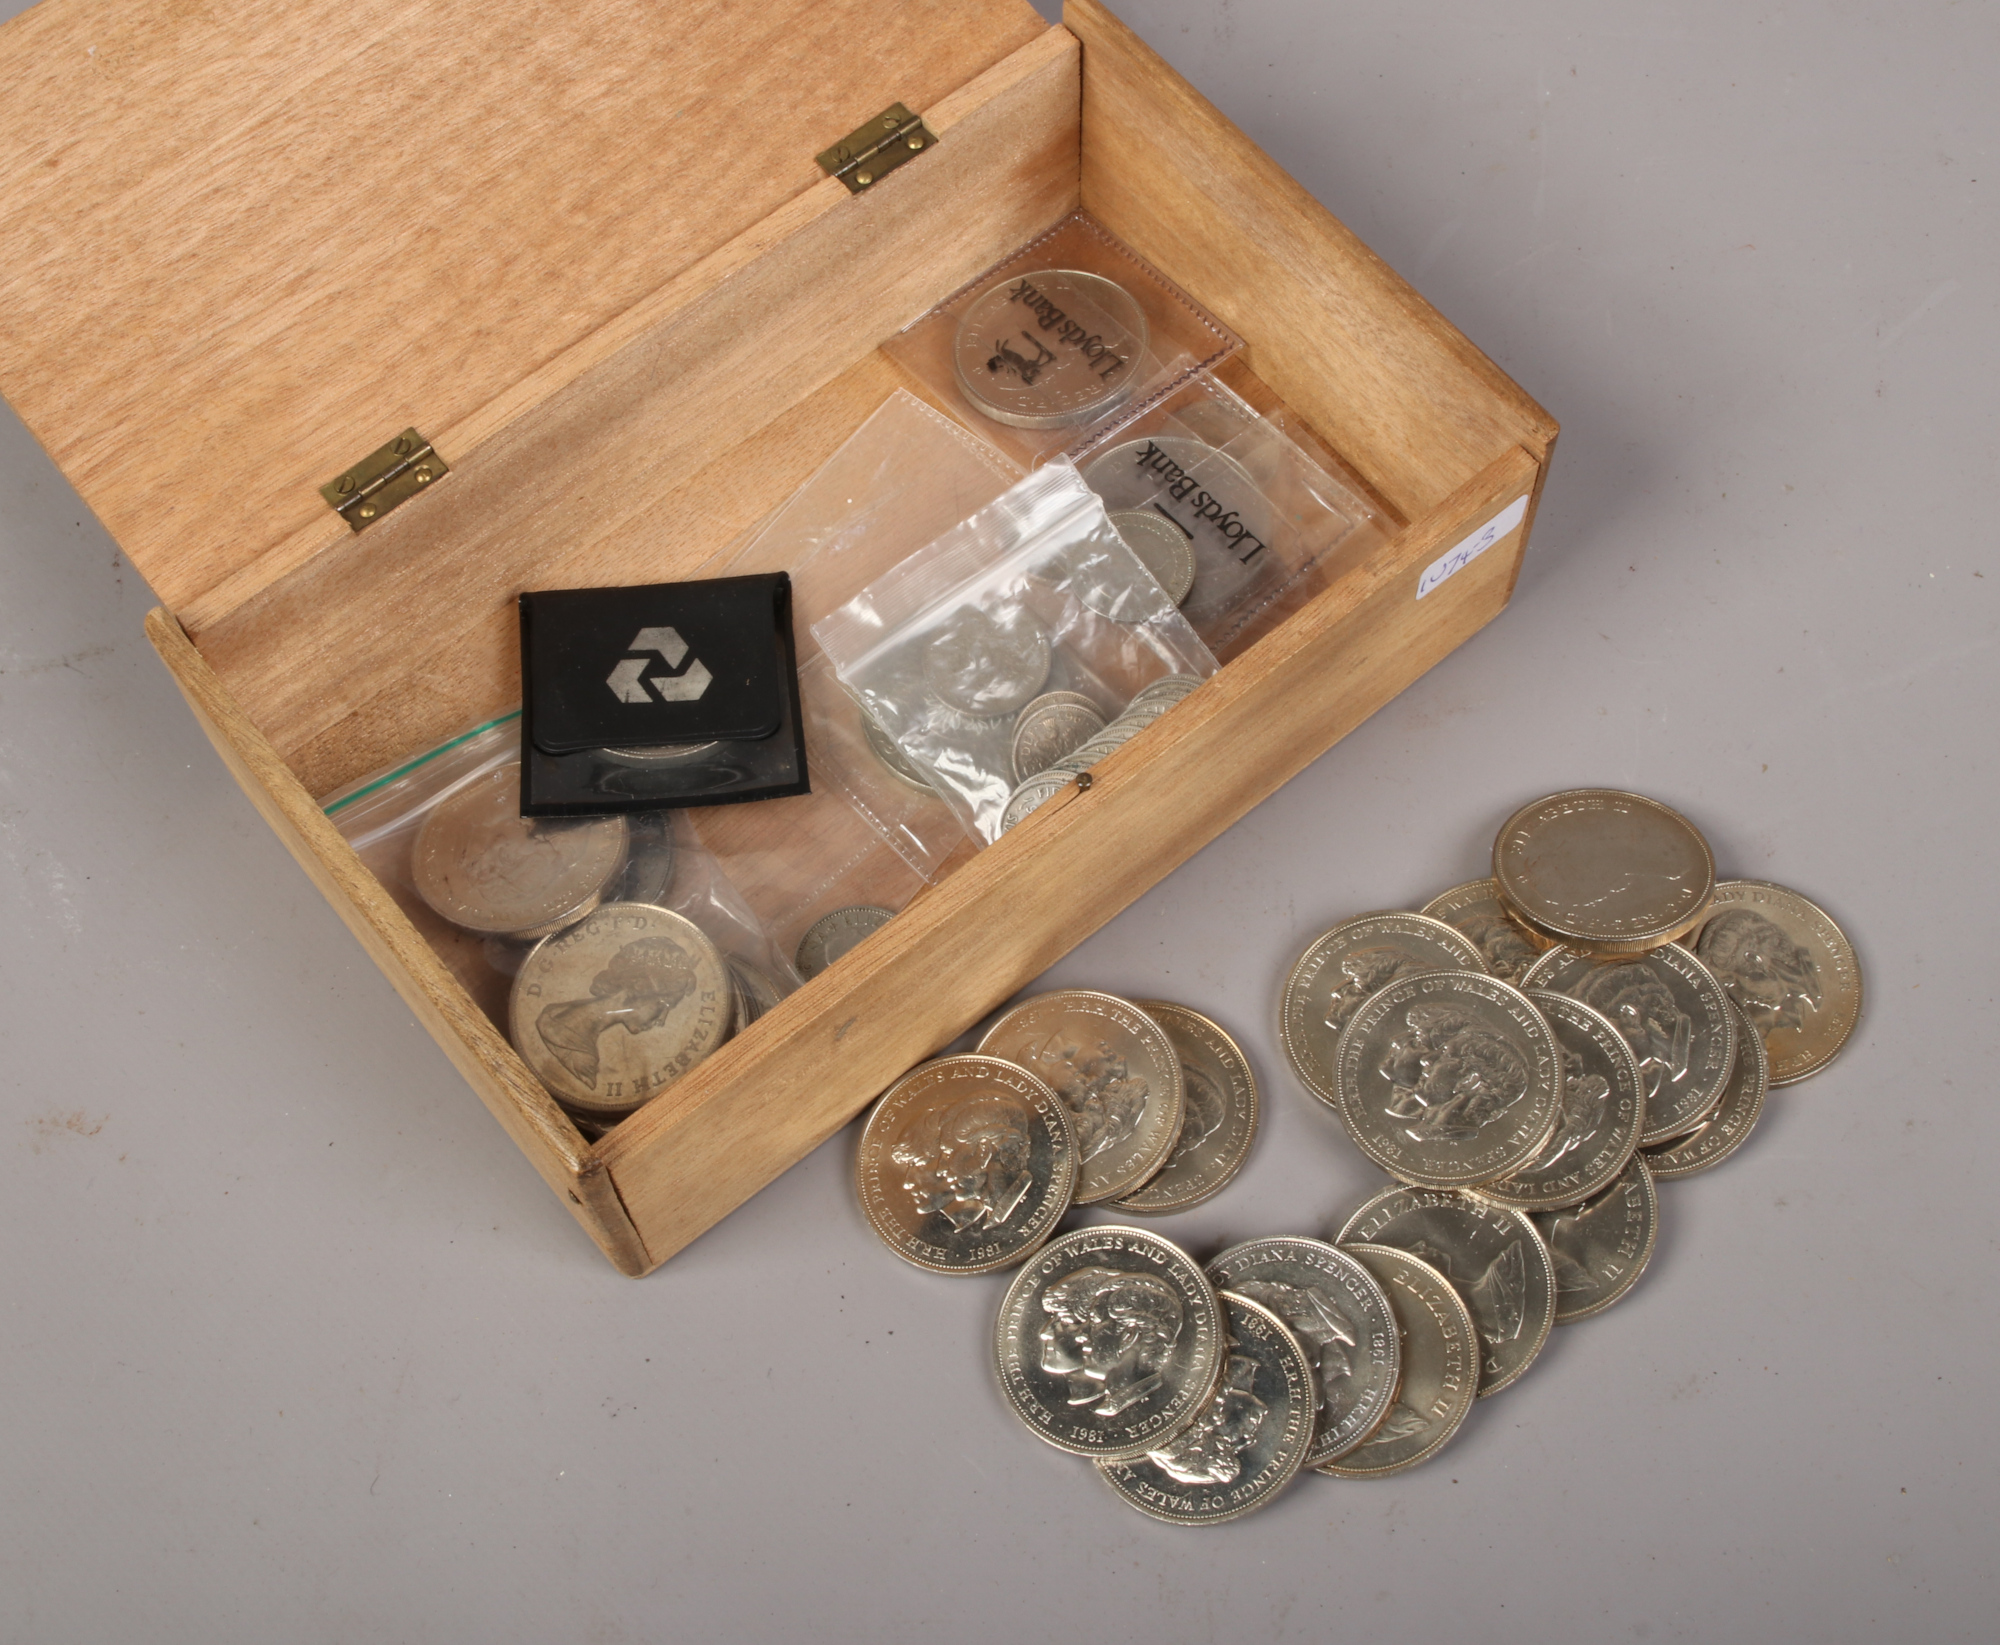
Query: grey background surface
[294,1346]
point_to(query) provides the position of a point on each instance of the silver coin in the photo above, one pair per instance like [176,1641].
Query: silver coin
[986,663]
[1346,965]
[483,866]
[1162,548]
[1438,1353]
[613,1010]
[649,859]
[1336,1309]
[1245,1446]
[1494,1257]
[751,993]
[1674,1015]
[1218,1115]
[1790,969]
[832,935]
[1031,796]
[966,1165]
[660,755]
[893,760]
[1601,1247]
[1475,909]
[1729,1123]
[1050,727]
[1108,1342]
[1448,1079]
[1603,1111]
[1168,689]
[1050,348]
[1116,1069]
[1206,493]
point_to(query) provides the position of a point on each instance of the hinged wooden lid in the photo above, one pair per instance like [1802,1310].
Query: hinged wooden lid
[243,245]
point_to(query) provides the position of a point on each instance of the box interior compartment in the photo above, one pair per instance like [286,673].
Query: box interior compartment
[660,432]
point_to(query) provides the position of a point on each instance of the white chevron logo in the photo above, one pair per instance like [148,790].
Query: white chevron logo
[628,682]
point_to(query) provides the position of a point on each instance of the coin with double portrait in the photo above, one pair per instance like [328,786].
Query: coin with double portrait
[1789,968]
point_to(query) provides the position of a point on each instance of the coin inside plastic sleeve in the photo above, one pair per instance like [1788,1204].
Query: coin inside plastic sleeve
[1608,872]
[1729,1123]
[1448,1079]
[1601,1247]
[1475,909]
[614,1009]
[1163,549]
[1053,725]
[987,663]
[1336,1308]
[1218,1115]
[1205,494]
[832,935]
[1246,1445]
[1494,1257]
[966,1165]
[1438,1352]
[1117,1070]
[1108,1342]
[1673,1013]
[1603,1112]
[892,758]
[482,865]
[1343,967]
[1050,348]
[1790,970]
[649,858]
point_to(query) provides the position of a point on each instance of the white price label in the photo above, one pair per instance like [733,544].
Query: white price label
[1455,560]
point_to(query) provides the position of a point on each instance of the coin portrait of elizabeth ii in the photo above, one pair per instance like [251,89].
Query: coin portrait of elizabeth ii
[1772,979]
[968,1163]
[1110,1336]
[635,991]
[1209,1451]
[1450,1077]
[1641,1005]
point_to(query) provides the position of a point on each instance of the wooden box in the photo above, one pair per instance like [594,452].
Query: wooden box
[587,251]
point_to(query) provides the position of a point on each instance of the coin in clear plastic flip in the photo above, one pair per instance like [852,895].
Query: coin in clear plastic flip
[486,868]
[1601,1247]
[1116,1069]
[1438,1351]
[1608,872]
[1051,726]
[649,859]
[1494,1257]
[892,758]
[1729,1123]
[1163,548]
[1344,967]
[1051,348]
[1335,1307]
[1448,1079]
[1790,970]
[1675,1016]
[1246,1445]
[1108,1342]
[966,1165]
[1603,1112]
[1475,909]
[1218,1115]
[987,664]
[751,994]
[832,935]
[614,1009]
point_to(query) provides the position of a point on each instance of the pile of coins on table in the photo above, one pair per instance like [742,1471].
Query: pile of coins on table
[1527,1058]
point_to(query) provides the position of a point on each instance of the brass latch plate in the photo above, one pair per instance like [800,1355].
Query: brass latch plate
[383,479]
[864,156]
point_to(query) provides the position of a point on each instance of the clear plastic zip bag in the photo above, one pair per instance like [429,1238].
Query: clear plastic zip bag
[1241,518]
[1033,604]
[485,886]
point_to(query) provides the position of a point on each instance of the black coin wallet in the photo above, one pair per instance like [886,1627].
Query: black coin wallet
[670,694]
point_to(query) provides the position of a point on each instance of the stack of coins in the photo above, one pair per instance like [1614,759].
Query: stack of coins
[618,996]
[1527,1082]
[1042,783]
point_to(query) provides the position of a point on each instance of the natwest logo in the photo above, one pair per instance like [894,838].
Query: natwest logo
[628,680]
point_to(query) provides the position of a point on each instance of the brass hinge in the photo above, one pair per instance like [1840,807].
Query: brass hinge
[384,479]
[864,156]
